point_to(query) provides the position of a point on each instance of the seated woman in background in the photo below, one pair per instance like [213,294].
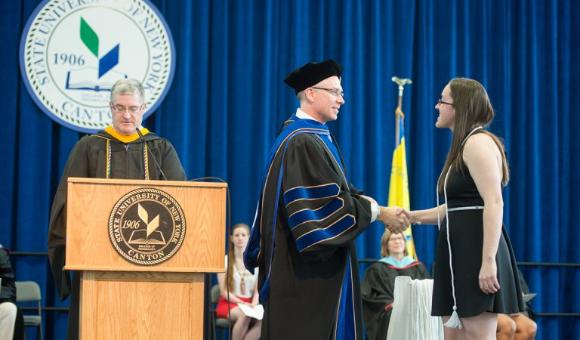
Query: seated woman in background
[379,283]
[515,327]
[241,287]
[520,326]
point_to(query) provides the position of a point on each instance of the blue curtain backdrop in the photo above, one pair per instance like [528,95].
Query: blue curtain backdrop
[228,100]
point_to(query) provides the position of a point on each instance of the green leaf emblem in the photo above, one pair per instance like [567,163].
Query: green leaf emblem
[90,38]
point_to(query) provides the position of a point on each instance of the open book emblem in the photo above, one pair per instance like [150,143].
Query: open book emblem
[147,226]
[149,235]
[90,78]
[72,54]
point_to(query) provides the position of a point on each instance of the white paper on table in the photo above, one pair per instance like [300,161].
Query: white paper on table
[256,312]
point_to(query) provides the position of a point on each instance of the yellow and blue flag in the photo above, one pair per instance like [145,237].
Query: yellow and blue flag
[399,186]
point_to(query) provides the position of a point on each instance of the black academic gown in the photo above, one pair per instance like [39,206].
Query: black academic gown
[305,258]
[89,158]
[377,292]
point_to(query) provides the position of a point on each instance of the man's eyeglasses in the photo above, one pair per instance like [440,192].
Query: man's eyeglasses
[334,92]
[444,102]
[131,109]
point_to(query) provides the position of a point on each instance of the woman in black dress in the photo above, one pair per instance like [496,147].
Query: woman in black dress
[475,275]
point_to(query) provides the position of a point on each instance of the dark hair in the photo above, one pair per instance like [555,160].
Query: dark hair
[472,109]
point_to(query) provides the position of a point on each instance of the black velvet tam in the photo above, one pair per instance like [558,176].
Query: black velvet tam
[312,73]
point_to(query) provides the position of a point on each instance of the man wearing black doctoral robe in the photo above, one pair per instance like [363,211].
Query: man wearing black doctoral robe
[108,154]
[307,218]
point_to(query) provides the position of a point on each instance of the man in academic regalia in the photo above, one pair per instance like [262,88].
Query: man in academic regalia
[122,150]
[307,218]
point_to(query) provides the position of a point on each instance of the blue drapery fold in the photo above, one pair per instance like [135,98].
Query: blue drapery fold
[228,101]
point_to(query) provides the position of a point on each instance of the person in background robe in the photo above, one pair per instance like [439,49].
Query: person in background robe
[307,218]
[378,286]
[123,150]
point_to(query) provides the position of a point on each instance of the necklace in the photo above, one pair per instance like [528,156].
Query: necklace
[243,272]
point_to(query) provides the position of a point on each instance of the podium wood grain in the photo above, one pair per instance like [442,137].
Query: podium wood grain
[90,202]
[122,300]
[129,305]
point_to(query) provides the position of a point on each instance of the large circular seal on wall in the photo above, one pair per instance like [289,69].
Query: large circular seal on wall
[72,52]
[147,226]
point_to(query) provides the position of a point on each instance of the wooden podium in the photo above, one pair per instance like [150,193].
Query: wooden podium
[111,222]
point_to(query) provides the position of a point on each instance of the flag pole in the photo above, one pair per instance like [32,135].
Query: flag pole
[399,115]
[399,183]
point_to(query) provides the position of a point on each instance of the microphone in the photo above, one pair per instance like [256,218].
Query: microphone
[152,155]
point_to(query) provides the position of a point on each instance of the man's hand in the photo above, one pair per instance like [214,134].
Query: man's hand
[395,218]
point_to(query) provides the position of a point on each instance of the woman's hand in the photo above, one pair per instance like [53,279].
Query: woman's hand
[488,277]
[414,217]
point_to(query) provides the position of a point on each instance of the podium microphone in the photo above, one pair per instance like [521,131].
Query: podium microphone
[151,154]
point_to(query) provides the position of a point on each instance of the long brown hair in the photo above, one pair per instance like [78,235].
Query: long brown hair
[472,109]
[231,255]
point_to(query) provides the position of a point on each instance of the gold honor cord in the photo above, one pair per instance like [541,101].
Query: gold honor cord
[108,155]
[108,160]
[146,161]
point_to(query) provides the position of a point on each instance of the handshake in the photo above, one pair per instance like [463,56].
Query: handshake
[395,219]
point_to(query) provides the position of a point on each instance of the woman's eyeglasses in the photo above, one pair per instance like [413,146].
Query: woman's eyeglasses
[439,101]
